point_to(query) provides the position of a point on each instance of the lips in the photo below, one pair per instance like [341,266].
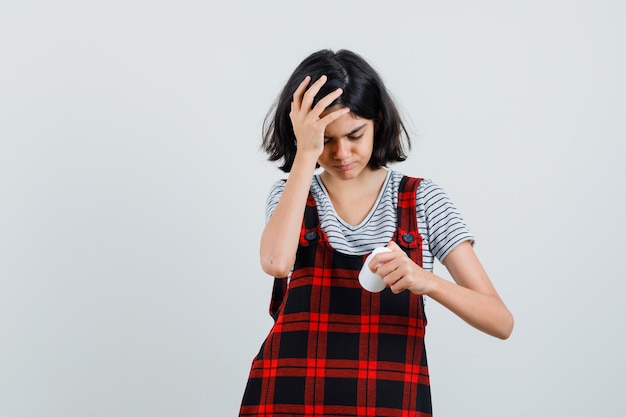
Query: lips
[345,167]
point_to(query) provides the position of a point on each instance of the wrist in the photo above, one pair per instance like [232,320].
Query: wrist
[306,158]
[432,284]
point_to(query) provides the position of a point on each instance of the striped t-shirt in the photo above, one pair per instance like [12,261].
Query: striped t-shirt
[439,222]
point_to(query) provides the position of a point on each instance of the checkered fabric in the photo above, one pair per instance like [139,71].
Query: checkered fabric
[336,349]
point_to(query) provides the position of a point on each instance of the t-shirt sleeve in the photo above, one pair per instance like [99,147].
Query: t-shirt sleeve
[276,191]
[445,226]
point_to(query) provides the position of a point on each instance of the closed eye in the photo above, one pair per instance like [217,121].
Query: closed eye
[349,135]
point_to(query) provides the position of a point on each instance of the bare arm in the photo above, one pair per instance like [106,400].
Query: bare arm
[279,241]
[472,297]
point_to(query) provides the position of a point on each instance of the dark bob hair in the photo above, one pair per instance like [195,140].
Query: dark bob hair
[363,93]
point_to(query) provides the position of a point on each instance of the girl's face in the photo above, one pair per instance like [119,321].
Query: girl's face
[348,146]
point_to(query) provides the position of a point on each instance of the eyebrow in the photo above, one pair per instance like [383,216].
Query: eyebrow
[352,132]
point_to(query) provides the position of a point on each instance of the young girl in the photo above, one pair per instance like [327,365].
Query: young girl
[337,349]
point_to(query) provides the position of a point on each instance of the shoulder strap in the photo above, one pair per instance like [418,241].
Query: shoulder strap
[310,230]
[407,194]
[309,233]
[407,234]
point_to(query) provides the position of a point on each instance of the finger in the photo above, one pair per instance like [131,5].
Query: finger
[311,92]
[393,245]
[380,260]
[297,95]
[327,100]
[334,115]
[394,282]
[397,288]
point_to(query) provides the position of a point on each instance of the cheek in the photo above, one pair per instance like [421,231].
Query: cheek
[369,146]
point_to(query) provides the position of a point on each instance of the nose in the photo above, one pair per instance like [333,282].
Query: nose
[342,151]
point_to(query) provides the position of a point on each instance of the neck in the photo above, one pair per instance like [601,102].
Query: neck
[368,180]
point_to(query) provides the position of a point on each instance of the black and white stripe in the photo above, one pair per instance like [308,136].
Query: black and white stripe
[439,222]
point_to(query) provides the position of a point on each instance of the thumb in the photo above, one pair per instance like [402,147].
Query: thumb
[393,245]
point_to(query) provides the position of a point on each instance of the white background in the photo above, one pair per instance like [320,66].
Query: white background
[132,192]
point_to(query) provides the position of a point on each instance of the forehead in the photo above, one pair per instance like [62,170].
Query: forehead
[345,117]
[346,124]
[331,109]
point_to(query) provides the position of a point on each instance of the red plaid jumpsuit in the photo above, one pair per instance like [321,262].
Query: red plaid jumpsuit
[336,349]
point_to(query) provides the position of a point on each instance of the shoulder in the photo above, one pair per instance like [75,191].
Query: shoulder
[429,191]
[276,190]
[434,203]
[445,225]
[278,184]
[426,189]
[273,196]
